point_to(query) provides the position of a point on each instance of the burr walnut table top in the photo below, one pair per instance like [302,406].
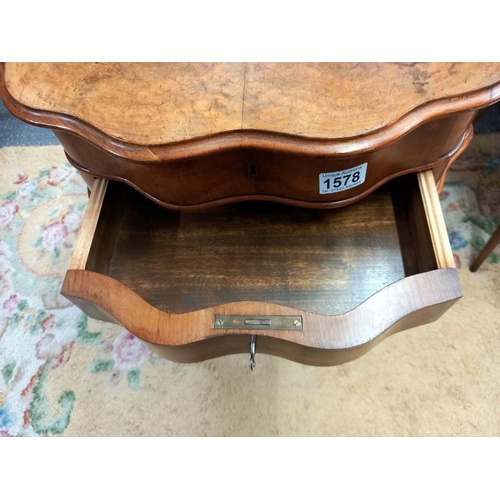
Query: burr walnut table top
[161,103]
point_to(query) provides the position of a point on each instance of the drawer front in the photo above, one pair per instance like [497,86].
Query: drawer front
[317,287]
[262,174]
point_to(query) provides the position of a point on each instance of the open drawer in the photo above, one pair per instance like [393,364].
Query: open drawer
[320,287]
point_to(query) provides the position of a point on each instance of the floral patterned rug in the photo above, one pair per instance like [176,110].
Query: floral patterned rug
[471,199]
[41,210]
[47,346]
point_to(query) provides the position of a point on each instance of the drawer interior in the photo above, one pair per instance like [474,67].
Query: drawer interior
[323,261]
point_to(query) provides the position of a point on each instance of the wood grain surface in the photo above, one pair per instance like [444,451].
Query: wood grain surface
[189,135]
[353,274]
[252,174]
[159,103]
[322,261]
[324,340]
[341,100]
[90,221]
[436,225]
[404,97]
[144,103]
[327,354]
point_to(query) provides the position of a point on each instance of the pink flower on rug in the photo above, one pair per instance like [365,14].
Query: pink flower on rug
[54,234]
[444,195]
[5,434]
[488,200]
[73,220]
[11,303]
[21,177]
[57,175]
[129,352]
[7,211]
[49,347]
[27,189]
[48,323]
[5,284]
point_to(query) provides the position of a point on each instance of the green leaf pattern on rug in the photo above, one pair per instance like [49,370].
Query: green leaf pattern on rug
[127,354]
[101,366]
[471,204]
[492,165]
[39,408]
[31,317]
[8,370]
[37,326]
[488,225]
[84,335]
[477,243]
[133,378]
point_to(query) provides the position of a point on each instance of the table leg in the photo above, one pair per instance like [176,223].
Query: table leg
[488,248]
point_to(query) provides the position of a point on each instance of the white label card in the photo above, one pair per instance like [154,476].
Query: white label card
[342,180]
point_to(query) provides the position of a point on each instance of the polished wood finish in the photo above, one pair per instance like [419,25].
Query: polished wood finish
[325,340]
[153,103]
[89,179]
[322,261]
[193,136]
[352,274]
[339,345]
[139,103]
[441,170]
[227,176]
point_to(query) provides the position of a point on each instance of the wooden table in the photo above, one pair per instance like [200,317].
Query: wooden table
[202,235]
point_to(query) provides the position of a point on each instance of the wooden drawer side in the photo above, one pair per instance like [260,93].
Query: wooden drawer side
[435,220]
